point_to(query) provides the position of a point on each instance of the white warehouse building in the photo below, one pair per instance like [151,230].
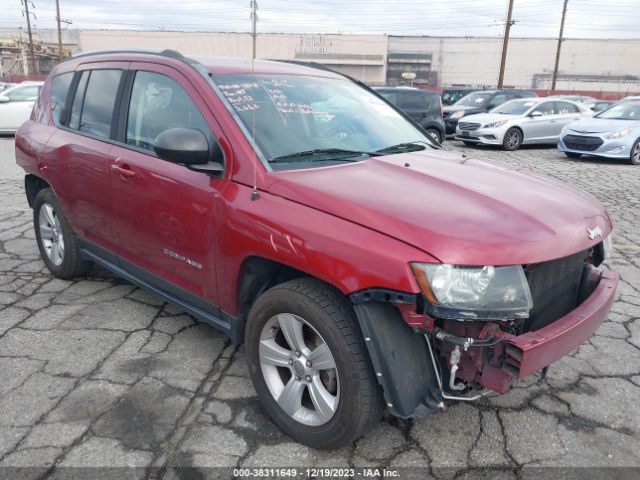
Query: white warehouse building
[608,65]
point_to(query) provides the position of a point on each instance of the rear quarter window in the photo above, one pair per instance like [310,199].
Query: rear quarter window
[59,91]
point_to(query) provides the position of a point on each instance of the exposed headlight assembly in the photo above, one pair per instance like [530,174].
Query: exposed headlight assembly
[620,133]
[497,124]
[474,293]
[458,114]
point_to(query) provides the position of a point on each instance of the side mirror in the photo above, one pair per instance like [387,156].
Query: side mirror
[189,147]
[535,114]
[4,99]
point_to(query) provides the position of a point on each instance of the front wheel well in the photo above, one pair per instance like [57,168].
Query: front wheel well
[258,275]
[32,186]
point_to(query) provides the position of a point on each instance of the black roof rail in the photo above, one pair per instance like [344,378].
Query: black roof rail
[147,51]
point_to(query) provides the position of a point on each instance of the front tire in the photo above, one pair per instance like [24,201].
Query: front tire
[512,139]
[435,135]
[309,365]
[58,246]
[634,157]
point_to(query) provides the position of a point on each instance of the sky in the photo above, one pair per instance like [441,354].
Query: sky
[533,18]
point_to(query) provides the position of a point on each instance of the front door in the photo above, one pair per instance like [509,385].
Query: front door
[165,215]
[538,129]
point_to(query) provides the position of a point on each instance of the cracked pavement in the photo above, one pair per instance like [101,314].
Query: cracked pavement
[98,373]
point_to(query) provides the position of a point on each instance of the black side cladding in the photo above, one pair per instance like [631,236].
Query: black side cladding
[400,359]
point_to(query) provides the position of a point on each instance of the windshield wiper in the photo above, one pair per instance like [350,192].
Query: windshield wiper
[308,155]
[404,147]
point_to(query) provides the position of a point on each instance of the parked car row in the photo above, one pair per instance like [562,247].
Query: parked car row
[578,124]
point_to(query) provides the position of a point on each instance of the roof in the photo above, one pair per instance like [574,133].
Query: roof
[215,65]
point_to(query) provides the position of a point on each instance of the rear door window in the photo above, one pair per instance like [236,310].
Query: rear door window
[99,102]
[566,107]
[59,91]
[414,101]
[78,99]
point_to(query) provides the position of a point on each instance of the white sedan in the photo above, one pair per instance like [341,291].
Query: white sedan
[522,121]
[16,104]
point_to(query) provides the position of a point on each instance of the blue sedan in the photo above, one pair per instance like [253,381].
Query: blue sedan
[613,133]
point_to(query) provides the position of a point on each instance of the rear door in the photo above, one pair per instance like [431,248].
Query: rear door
[566,112]
[81,145]
[165,216]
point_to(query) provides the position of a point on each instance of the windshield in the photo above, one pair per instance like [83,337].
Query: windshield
[474,99]
[626,111]
[514,107]
[301,119]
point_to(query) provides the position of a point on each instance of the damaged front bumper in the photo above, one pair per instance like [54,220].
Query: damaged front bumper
[417,376]
[532,351]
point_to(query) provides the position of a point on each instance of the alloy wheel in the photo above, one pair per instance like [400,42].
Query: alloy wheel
[51,234]
[299,369]
[513,139]
[635,154]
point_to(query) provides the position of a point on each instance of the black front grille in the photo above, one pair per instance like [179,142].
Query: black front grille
[468,126]
[554,288]
[585,144]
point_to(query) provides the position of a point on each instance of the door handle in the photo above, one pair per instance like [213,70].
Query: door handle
[123,170]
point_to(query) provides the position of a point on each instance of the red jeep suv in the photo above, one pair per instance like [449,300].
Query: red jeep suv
[301,213]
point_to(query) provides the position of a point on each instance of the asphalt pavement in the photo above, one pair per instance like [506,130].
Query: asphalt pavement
[98,373]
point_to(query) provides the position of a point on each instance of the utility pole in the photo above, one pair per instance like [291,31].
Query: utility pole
[33,56]
[505,44]
[560,40]
[254,20]
[23,56]
[60,55]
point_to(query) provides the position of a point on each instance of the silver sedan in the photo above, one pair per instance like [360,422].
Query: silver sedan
[16,104]
[522,121]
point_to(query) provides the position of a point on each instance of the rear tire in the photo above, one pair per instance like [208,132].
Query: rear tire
[634,157]
[58,246]
[512,139]
[320,317]
[573,155]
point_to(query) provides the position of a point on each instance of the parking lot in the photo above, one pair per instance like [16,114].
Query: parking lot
[98,373]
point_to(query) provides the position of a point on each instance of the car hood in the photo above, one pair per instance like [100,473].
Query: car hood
[601,125]
[458,210]
[484,118]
